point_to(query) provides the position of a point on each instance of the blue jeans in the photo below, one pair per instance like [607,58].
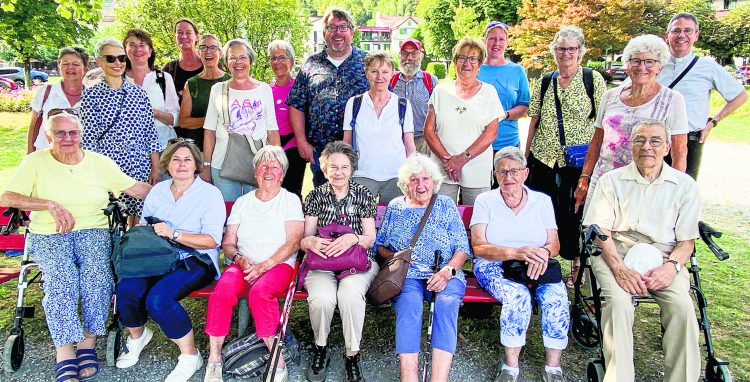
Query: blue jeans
[158,297]
[230,189]
[408,306]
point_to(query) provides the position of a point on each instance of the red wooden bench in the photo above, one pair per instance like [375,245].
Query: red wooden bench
[11,242]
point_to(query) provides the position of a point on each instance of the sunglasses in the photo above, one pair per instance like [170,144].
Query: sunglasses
[56,111]
[180,140]
[112,58]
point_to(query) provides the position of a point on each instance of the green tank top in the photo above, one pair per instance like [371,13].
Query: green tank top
[200,90]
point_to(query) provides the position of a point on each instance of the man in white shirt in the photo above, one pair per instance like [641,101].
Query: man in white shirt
[650,204]
[700,78]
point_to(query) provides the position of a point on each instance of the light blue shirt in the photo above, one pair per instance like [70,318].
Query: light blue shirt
[417,94]
[696,86]
[512,87]
[199,210]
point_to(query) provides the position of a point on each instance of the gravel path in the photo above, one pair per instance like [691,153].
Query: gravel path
[724,187]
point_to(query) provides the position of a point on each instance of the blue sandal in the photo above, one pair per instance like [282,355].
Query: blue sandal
[63,370]
[87,359]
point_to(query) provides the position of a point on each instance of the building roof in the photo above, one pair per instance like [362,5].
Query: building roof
[394,22]
[373,29]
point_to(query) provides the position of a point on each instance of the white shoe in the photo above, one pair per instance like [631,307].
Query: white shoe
[135,346]
[282,375]
[187,365]
[214,372]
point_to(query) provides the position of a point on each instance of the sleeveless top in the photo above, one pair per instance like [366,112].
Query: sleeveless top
[200,89]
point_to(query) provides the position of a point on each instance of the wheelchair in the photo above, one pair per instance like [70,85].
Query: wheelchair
[586,308]
[14,347]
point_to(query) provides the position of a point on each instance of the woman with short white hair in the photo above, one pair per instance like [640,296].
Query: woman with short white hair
[419,178]
[637,99]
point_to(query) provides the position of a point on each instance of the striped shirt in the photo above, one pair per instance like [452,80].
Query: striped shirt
[359,204]
[417,94]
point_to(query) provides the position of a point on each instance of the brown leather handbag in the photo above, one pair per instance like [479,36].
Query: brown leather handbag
[390,279]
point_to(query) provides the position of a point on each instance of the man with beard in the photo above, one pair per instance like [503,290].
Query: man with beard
[694,78]
[415,85]
[325,82]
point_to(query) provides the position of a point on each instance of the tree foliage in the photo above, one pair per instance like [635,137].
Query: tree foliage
[257,21]
[31,25]
[734,30]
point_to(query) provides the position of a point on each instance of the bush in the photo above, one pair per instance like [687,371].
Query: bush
[595,64]
[607,76]
[437,68]
[451,71]
[15,101]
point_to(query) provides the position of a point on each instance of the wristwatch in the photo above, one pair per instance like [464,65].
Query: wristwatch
[207,164]
[507,115]
[175,235]
[712,120]
[452,270]
[468,154]
[676,264]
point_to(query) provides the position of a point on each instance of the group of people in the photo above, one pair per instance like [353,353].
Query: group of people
[158,139]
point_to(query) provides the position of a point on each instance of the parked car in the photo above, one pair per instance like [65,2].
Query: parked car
[6,84]
[743,72]
[16,74]
[618,72]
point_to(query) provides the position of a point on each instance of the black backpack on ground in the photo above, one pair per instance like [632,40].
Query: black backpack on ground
[247,357]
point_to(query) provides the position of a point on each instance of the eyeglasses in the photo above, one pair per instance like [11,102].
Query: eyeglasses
[111,58]
[278,58]
[341,28]
[61,134]
[238,58]
[56,111]
[409,53]
[511,172]
[210,48]
[471,59]
[180,140]
[570,49]
[687,31]
[641,141]
[648,63]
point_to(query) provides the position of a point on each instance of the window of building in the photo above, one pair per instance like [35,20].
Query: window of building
[375,46]
[387,47]
[402,31]
[366,47]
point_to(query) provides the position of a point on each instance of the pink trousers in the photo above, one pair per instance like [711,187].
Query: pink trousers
[262,297]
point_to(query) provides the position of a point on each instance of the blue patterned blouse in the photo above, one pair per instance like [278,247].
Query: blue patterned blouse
[321,91]
[444,231]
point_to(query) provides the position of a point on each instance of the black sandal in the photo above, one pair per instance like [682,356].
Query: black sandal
[64,368]
[87,359]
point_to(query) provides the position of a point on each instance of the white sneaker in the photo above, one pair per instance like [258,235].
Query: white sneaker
[135,346]
[187,365]
[282,375]
[214,372]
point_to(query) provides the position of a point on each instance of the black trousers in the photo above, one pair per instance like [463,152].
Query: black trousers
[559,183]
[694,154]
[295,173]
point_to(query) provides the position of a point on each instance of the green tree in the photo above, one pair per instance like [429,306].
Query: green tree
[466,22]
[733,32]
[257,21]
[30,25]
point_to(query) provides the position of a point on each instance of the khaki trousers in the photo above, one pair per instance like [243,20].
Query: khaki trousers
[422,146]
[682,360]
[468,195]
[325,292]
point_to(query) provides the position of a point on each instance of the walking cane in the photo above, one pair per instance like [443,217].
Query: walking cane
[273,359]
[428,351]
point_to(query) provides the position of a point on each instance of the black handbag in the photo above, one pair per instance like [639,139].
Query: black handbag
[515,270]
[140,252]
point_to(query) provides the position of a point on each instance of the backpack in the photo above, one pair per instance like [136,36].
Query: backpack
[588,83]
[426,80]
[357,104]
[248,356]
[162,83]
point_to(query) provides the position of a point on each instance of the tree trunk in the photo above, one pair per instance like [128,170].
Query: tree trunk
[27,72]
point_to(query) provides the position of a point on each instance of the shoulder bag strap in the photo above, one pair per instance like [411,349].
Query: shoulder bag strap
[401,112]
[588,84]
[423,222]
[558,109]
[117,116]
[545,85]
[394,80]
[225,103]
[356,105]
[684,72]
[427,81]
[38,120]
[162,83]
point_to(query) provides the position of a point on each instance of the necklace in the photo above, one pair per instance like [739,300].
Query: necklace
[517,204]
[574,73]
[69,94]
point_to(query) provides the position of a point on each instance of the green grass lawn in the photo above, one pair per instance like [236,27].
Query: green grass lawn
[735,128]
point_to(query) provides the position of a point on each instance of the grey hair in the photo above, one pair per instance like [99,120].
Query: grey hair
[683,15]
[105,42]
[210,35]
[646,43]
[52,121]
[337,13]
[339,147]
[282,44]
[241,42]
[75,51]
[379,57]
[415,164]
[572,32]
[510,152]
[650,122]
[272,153]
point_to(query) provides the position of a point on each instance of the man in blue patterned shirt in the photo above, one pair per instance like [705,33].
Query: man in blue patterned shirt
[325,82]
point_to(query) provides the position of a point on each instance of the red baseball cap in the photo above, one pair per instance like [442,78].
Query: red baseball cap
[417,44]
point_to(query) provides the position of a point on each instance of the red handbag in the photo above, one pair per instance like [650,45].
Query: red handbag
[354,260]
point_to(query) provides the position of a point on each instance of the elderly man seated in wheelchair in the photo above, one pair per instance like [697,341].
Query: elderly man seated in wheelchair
[651,212]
